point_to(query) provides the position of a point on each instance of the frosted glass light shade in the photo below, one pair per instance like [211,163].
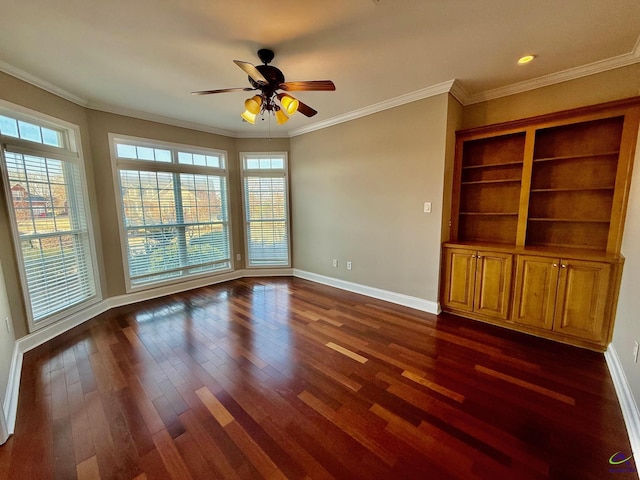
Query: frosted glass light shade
[281,117]
[249,117]
[253,104]
[289,104]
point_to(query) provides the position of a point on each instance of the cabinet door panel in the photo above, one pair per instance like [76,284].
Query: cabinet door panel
[583,289]
[493,284]
[459,279]
[535,291]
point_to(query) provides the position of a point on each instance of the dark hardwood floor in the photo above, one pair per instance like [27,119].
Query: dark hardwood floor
[283,378]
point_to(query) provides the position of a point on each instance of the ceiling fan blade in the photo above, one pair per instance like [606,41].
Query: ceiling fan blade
[311,85]
[223,90]
[306,110]
[252,71]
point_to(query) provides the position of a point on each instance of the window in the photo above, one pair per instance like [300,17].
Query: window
[12,127]
[174,205]
[266,209]
[46,194]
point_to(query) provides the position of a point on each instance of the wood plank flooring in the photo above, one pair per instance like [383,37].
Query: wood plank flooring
[281,378]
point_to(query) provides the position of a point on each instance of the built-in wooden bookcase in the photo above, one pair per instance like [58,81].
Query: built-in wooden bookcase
[548,195]
[490,188]
[573,180]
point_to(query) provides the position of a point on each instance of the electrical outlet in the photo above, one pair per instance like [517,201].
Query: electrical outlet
[348,265]
[335,263]
[238,257]
[427,207]
[635,352]
[6,320]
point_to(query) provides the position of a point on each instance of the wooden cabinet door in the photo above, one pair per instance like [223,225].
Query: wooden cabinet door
[535,291]
[459,278]
[493,284]
[583,289]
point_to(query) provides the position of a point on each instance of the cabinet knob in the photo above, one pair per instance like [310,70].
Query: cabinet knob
[473,256]
[479,256]
[563,266]
[555,264]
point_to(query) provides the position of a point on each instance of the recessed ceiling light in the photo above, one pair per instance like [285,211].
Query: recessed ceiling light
[526,59]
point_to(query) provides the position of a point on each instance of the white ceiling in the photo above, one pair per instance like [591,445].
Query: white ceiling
[143,57]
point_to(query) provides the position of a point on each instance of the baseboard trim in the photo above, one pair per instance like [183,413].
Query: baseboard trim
[267,272]
[13,389]
[151,293]
[386,295]
[4,432]
[627,402]
[37,338]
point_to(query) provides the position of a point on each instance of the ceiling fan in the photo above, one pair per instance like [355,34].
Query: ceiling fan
[268,80]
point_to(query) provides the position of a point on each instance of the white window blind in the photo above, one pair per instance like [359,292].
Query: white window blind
[50,217]
[266,211]
[174,204]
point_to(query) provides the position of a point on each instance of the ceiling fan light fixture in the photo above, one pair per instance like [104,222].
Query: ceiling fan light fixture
[289,104]
[249,117]
[253,104]
[268,80]
[281,117]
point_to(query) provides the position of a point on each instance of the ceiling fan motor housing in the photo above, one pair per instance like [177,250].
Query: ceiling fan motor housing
[273,75]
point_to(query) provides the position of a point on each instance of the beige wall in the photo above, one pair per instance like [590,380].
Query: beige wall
[7,339]
[603,87]
[358,190]
[627,328]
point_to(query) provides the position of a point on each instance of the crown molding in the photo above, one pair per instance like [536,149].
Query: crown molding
[427,92]
[152,117]
[558,77]
[60,92]
[42,84]
[458,92]
[454,87]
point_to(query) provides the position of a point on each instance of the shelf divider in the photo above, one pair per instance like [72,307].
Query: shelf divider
[495,214]
[576,157]
[565,220]
[492,165]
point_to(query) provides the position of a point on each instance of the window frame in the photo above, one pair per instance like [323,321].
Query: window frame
[41,120]
[172,167]
[267,173]
[70,151]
